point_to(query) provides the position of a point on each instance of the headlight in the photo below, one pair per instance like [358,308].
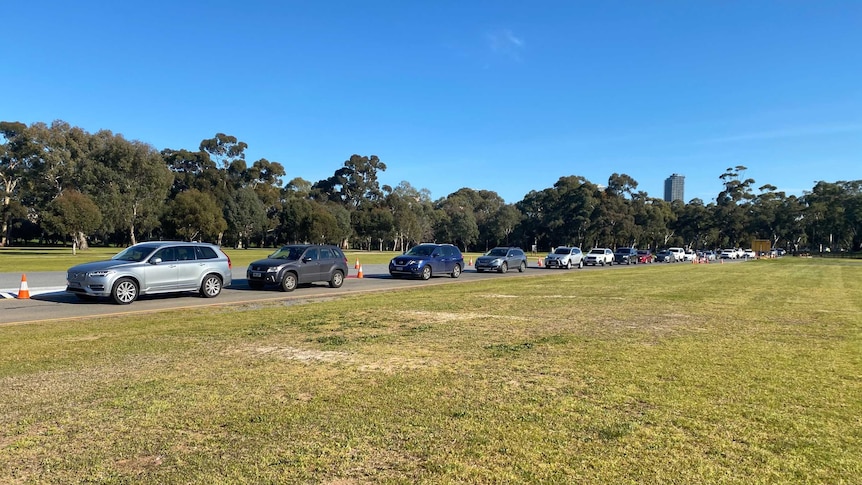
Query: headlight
[100,273]
[272,270]
[497,262]
[413,261]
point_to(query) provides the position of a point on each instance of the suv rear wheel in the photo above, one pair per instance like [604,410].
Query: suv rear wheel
[211,286]
[337,280]
[456,271]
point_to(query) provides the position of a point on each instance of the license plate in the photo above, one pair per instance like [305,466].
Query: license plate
[255,275]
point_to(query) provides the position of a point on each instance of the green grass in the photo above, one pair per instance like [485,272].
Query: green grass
[723,373]
[21,260]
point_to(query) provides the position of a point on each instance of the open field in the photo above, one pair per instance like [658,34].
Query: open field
[721,373]
[20,260]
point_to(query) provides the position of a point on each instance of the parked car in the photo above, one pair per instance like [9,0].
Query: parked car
[678,253]
[665,256]
[645,256]
[689,255]
[297,264]
[626,256]
[727,254]
[501,260]
[152,267]
[427,259]
[749,254]
[709,255]
[600,256]
[565,257]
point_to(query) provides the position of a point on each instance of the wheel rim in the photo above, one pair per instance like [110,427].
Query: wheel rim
[289,282]
[126,291]
[337,278]
[212,286]
[456,271]
[504,267]
[426,272]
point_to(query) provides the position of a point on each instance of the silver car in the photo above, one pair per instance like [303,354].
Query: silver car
[150,268]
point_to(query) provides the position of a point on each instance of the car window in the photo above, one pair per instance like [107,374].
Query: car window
[134,253]
[167,254]
[326,253]
[185,253]
[205,252]
[290,253]
[562,251]
[420,251]
[312,254]
[497,252]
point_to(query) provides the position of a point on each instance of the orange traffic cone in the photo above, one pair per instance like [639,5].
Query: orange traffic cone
[24,291]
[359,273]
[356,266]
[470,263]
[539,260]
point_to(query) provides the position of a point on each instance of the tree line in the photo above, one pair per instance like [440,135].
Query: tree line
[61,184]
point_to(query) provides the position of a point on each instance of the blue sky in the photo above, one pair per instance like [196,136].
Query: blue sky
[500,95]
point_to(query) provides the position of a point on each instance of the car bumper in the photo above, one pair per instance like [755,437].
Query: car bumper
[99,287]
[411,270]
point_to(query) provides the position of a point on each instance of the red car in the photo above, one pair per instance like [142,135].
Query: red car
[645,256]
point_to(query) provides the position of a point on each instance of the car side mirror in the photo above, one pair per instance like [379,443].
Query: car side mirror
[156,261]
[306,259]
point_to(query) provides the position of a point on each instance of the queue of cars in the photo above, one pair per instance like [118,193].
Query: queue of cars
[175,266]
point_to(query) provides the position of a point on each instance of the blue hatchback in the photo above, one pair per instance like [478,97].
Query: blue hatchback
[426,260]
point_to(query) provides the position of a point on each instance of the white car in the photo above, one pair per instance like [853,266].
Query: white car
[690,255]
[749,254]
[678,253]
[600,256]
[727,254]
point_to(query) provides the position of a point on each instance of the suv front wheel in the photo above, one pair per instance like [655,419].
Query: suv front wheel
[288,283]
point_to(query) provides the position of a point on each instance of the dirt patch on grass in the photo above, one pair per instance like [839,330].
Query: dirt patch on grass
[139,465]
[303,355]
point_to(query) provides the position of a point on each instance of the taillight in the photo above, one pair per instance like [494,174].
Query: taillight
[229,264]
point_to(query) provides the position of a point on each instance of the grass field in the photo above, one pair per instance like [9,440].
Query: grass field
[22,260]
[722,373]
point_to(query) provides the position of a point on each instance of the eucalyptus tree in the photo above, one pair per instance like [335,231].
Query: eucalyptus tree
[456,222]
[411,209]
[73,214]
[130,182]
[694,225]
[732,207]
[196,215]
[775,216]
[246,217]
[832,214]
[354,184]
[18,152]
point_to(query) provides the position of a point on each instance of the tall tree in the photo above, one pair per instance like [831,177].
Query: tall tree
[73,214]
[18,152]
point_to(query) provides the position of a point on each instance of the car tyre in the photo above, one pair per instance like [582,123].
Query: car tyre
[210,286]
[580,264]
[337,279]
[522,267]
[456,271]
[288,283]
[125,291]
[569,264]
[504,267]
[426,272]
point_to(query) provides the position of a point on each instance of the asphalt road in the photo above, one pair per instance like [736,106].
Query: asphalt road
[49,301]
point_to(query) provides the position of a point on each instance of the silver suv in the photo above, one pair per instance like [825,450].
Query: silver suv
[565,257]
[152,267]
[501,260]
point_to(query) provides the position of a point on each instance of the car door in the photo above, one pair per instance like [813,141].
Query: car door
[188,268]
[309,266]
[327,262]
[162,272]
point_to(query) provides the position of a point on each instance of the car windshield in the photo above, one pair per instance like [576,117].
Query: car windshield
[597,251]
[134,253]
[562,251]
[643,251]
[420,251]
[497,252]
[290,253]
[624,250]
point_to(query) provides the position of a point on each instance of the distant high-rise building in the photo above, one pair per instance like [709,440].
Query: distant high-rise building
[673,187]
